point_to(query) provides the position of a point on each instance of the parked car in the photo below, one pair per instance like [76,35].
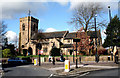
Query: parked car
[16,61]
[59,59]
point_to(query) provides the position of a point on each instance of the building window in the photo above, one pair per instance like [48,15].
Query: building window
[23,26]
[44,49]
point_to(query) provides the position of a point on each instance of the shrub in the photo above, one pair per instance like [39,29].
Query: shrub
[101,52]
[83,52]
[6,53]
[55,52]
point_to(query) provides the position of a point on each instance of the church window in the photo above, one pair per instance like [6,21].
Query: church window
[23,26]
[68,41]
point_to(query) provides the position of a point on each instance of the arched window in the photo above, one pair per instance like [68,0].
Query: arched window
[23,26]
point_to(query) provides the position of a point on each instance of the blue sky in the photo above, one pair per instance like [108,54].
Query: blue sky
[53,15]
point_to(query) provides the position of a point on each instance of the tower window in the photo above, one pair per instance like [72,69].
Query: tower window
[34,27]
[23,26]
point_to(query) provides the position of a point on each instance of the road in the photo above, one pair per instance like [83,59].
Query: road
[108,72]
[26,70]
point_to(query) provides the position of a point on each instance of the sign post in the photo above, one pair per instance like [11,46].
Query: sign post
[39,58]
[39,46]
[76,40]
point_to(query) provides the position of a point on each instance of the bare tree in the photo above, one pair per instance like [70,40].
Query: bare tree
[83,16]
[3,27]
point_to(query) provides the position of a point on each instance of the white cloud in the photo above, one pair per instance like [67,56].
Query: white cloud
[62,2]
[105,3]
[14,8]
[12,36]
[103,35]
[50,30]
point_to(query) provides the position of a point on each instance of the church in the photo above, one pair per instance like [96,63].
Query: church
[59,39]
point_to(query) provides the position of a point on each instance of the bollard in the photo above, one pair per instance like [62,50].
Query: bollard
[35,62]
[67,65]
[80,59]
[108,58]
[53,60]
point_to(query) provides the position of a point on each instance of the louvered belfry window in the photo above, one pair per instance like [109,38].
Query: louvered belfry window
[23,26]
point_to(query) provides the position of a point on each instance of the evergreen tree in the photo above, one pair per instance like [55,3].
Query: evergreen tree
[112,32]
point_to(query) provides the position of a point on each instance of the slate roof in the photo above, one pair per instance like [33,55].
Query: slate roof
[92,34]
[70,35]
[89,33]
[60,34]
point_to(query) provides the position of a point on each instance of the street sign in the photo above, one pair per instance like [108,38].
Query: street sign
[40,52]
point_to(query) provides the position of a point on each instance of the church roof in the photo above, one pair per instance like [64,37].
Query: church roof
[60,34]
[48,35]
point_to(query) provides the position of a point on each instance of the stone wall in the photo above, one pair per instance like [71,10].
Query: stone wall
[83,58]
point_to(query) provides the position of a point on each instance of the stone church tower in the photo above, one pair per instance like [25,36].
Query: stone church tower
[28,27]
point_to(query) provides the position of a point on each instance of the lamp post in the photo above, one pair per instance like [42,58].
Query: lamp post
[109,13]
[73,54]
[76,52]
[111,30]
[96,54]
[39,58]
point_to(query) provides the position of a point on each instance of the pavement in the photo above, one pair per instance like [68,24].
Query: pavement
[1,72]
[83,68]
